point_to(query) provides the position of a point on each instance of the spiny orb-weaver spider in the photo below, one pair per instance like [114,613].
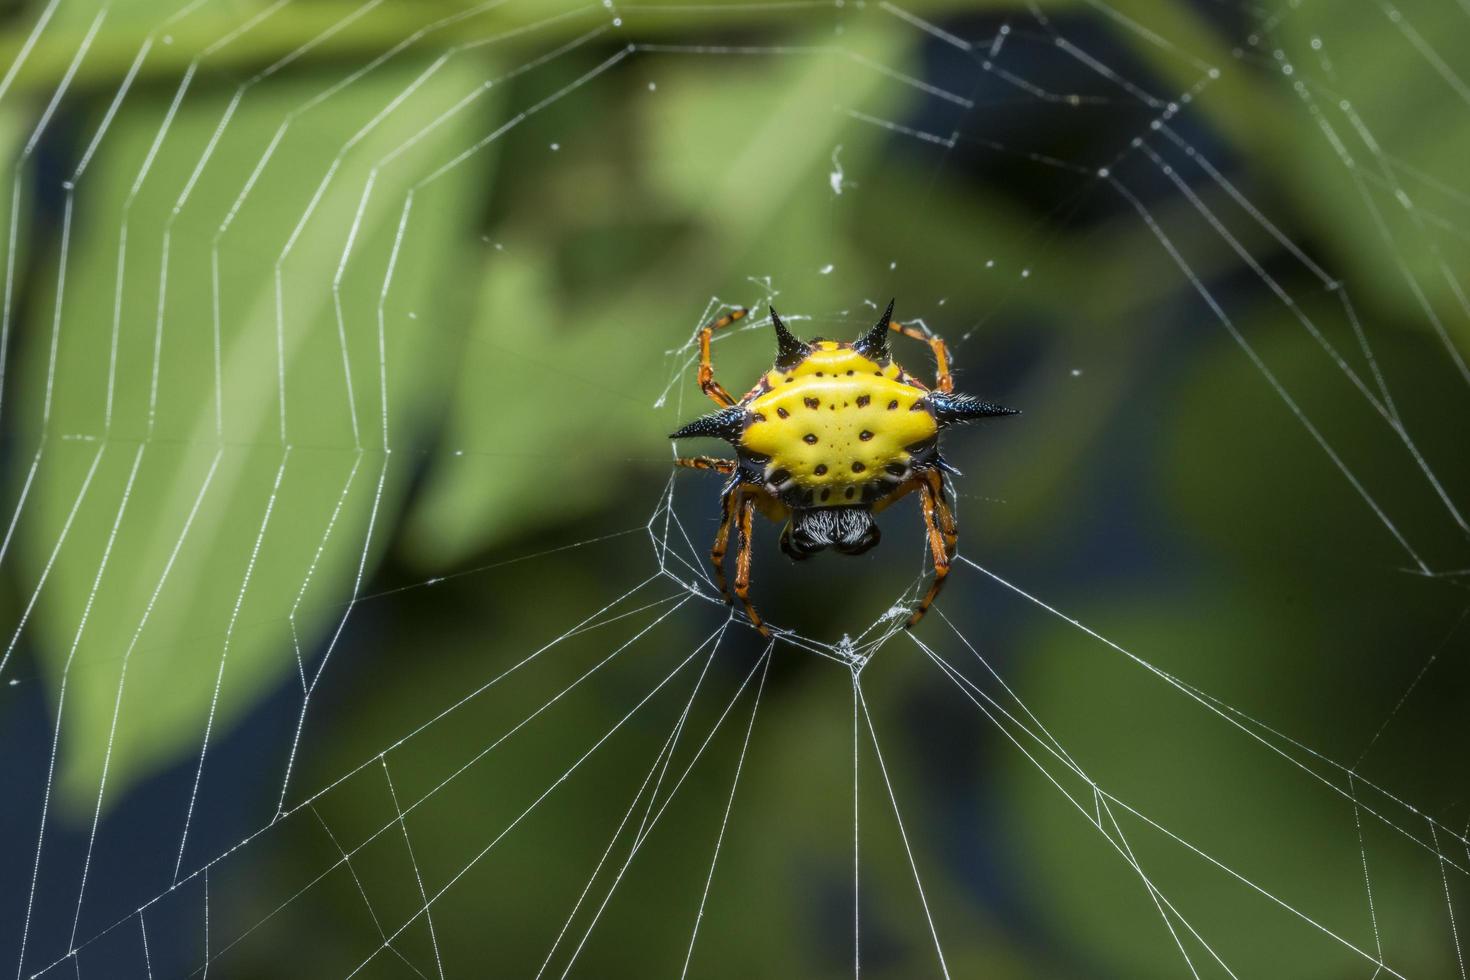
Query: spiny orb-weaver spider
[832,434]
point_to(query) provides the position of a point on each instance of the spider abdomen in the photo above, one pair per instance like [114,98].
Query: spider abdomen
[832,434]
[837,427]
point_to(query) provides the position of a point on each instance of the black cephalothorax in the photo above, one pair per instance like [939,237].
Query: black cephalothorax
[850,530]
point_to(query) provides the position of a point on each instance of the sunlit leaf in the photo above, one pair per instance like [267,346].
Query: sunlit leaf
[177,532]
[563,375]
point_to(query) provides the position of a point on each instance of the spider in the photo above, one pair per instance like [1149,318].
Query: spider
[834,433]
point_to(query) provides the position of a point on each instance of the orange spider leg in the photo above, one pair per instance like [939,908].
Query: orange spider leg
[728,503]
[943,512]
[742,563]
[727,513]
[934,506]
[943,381]
[726,466]
[707,382]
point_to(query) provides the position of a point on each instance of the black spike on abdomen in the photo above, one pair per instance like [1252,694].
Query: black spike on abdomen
[726,424]
[789,351]
[951,408]
[874,344]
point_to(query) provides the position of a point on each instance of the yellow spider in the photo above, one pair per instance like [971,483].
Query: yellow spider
[832,434]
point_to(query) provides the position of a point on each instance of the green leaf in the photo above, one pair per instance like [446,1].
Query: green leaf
[182,554]
[591,281]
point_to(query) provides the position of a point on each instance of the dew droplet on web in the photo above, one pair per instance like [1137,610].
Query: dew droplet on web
[835,178]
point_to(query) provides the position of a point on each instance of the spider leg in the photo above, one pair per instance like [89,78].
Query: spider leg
[943,381]
[936,514]
[726,466]
[707,382]
[742,564]
[943,512]
[728,503]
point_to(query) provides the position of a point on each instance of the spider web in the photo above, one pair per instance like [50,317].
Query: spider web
[180,290]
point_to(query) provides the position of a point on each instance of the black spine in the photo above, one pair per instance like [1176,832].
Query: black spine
[874,344]
[789,351]
[726,424]
[951,408]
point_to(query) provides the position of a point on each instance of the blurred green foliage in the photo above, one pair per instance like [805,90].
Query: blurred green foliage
[223,593]
[532,335]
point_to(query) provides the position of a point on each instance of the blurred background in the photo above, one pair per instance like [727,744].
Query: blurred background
[355,623]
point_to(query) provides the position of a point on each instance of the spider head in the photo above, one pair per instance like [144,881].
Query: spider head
[851,530]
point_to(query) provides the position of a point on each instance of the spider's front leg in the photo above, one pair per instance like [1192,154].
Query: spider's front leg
[707,382]
[737,511]
[939,524]
[728,504]
[742,562]
[943,380]
[943,512]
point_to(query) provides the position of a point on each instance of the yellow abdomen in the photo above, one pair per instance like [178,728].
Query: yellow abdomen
[838,427]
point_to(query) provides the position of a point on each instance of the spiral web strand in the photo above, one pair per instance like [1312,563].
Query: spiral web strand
[670,596]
